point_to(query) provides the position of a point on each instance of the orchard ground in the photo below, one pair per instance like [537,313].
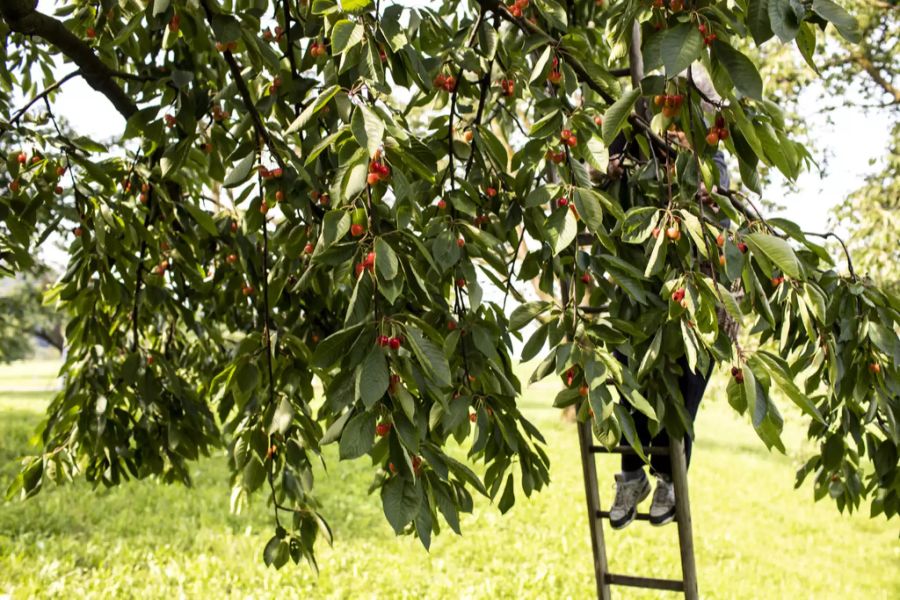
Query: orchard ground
[756,536]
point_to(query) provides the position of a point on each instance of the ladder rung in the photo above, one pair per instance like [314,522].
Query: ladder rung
[657,450]
[673,585]
[604,514]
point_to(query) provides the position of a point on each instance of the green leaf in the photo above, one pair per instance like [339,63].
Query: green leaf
[400,501]
[368,128]
[202,217]
[758,20]
[240,171]
[334,346]
[554,13]
[345,35]
[539,72]
[358,436]
[335,225]
[430,356]
[616,115]
[588,203]
[846,24]
[561,228]
[777,250]
[782,19]
[386,262]
[355,5]
[372,377]
[740,69]
[283,417]
[526,313]
[445,250]
[309,112]
[680,46]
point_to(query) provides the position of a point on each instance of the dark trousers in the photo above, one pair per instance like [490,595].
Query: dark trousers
[692,386]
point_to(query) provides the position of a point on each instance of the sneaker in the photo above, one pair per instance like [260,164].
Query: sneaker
[662,509]
[629,493]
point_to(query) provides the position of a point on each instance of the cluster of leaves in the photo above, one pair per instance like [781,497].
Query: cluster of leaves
[330,192]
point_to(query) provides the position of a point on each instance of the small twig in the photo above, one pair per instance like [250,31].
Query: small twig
[47,91]
[843,245]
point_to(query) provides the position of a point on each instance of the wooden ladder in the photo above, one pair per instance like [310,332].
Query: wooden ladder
[605,579]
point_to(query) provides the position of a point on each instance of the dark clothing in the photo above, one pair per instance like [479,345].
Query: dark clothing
[692,386]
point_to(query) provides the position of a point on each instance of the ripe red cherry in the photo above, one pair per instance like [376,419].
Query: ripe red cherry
[673,233]
[742,247]
[58,190]
[738,374]
[394,343]
[874,368]
[60,171]
[451,325]
[247,290]
[555,77]
[234,227]
[712,138]
[277,172]
[91,33]
[572,141]
[14,186]
[441,204]
[231,259]
[598,121]
[369,260]
[22,158]
[585,278]
[473,417]
[382,429]
[308,248]
[583,390]
[491,192]
[565,134]
[383,340]
[357,230]
[461,282]
[78,231]
[460,242]
[562,202]
[373,178]
[279,196]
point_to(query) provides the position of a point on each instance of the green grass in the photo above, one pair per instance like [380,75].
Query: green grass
[756,536]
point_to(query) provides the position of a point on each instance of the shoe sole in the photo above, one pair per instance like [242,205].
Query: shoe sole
[663,519]
[633,513]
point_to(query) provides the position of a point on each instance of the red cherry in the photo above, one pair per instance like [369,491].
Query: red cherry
[441,204]
[277,172]
[14,186]
[461,282]
[678,295]
[234,226]
[308,248]
[357,230]
[583,390]
[460,242]
[91,33]
[373,178]
[572,141]
[78,231]
[491,192]
[359,269]
[562,202]
[598,121]
[565,134]
[279,196]
[585,278]
[394,343]
[247,289]
[382,429]
[22,158]
[451,325]
[58,190]
[473,417]
[742,247]
[370,259]
[231,259]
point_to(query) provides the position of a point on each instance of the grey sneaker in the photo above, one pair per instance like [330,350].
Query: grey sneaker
[662,509]
[629,493]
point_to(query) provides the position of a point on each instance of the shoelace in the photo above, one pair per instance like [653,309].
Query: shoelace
[623,492]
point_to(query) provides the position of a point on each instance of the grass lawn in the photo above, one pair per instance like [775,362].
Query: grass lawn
[756,537]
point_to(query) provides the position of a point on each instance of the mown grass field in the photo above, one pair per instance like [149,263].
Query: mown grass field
[756,536]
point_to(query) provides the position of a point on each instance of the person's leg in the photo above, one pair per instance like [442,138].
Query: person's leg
[632,485]
[692,386]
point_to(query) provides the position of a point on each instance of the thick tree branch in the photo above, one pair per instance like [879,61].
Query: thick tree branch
[21,17]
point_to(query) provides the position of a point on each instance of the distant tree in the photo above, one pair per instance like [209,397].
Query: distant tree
[25,318]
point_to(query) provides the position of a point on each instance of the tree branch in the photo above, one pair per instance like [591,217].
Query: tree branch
[21,17]
[47,91]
